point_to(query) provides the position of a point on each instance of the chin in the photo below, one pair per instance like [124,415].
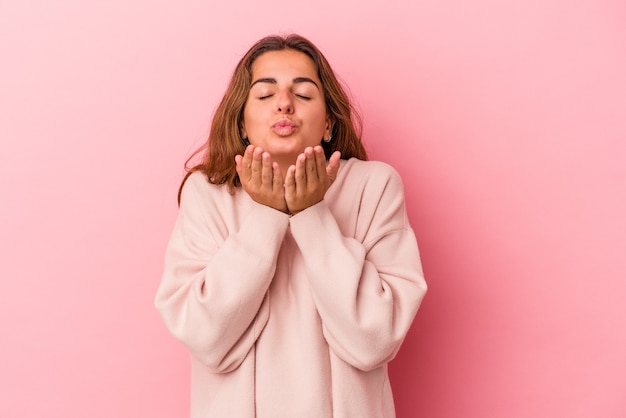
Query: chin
[285,147]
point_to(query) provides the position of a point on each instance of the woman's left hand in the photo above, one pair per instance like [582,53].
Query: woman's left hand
[307,181]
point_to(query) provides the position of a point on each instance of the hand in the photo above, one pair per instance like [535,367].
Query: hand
[261,178]
[307,181]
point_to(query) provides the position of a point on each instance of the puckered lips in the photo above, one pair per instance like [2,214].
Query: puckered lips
[283,127]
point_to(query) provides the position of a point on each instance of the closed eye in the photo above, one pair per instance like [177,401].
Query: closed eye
[303,97]
[265,97]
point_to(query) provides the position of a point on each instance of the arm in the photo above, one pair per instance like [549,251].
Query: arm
[366,289]
[213,293]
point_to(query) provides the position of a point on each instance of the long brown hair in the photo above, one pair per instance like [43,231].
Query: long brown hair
[224,141]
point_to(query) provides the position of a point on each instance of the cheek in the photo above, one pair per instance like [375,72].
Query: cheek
[249,120]
[322,119]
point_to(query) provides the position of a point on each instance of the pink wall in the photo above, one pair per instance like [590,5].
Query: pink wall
[507,121]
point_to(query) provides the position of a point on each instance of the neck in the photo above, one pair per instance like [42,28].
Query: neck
[285,162]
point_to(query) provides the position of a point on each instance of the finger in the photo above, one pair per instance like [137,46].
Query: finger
[278,183]
[238,164]
[256,166]
[333,165]
[247,155]
[246,162]
[311,168]
[320,162]
[290,182]
[300,172]
[243,163]
[267,171]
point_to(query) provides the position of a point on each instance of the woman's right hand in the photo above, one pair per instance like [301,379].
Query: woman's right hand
[261,178]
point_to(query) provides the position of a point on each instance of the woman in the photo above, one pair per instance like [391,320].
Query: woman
[292,275]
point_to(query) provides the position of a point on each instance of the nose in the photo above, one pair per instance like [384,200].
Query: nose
[284,104]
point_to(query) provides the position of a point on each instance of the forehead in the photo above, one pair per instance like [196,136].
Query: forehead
[286,63]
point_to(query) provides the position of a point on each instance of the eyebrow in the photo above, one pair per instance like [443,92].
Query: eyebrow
[296,80]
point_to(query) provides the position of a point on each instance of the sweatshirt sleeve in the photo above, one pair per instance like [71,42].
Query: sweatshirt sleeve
[213,294]
[367,289]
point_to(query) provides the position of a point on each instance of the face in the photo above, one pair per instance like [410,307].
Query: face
[285,111]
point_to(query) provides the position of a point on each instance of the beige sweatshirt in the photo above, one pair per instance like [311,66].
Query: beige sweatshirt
[293,317]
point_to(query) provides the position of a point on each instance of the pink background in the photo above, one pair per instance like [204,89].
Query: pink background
[507,121]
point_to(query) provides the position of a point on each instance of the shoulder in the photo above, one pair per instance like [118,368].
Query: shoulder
[196,179]
[370,173]
[371,194]
[369,167]
[197,188]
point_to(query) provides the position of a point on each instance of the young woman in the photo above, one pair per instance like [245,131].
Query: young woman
[292,274]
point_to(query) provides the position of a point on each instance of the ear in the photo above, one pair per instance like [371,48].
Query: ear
[329,127]
[242,131]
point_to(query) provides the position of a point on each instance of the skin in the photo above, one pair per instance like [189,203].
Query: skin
[285,119]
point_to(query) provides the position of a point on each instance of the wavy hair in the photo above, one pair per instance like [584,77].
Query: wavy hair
[224,141]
